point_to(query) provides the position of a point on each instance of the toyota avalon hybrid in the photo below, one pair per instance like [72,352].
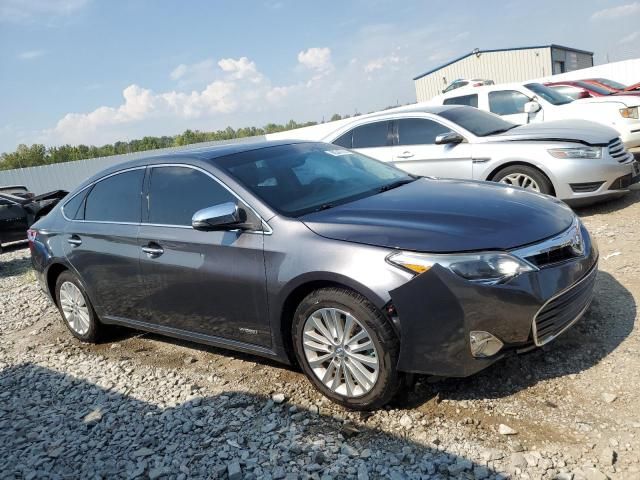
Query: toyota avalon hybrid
[313,254]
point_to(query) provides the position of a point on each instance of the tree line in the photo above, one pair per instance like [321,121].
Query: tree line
[38,154]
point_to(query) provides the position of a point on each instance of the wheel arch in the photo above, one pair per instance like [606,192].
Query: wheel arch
[53,272]
[299,288]
[525,163]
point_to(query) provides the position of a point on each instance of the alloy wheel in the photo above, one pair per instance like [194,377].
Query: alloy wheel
[74,308]
[521,180]
[340,352]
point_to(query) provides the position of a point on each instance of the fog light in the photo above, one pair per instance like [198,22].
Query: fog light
[483,344]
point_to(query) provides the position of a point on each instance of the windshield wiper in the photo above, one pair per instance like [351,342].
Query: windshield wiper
[399,183]
[324,206]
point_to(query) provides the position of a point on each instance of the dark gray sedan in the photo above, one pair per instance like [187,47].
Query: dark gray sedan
[311,253]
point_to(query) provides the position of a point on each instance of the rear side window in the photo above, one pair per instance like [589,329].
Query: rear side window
[507,102]
[74,208]
[419,131]
[344,140]
[116,198]
[371,135]
[176,193]
[469,100]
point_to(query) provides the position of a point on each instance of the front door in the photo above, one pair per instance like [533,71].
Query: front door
[416,151]
[210,283]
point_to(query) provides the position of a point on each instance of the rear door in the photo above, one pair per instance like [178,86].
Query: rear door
[210,283]
[101,242]
[416,151]
[373,139]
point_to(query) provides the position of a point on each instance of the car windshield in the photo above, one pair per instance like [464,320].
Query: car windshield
[305,177]
[610,83]
[595,88]
[476,121]
[550,95]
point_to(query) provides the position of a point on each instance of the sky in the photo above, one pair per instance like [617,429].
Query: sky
[97,71]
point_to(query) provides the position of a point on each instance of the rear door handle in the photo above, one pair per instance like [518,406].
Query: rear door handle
[406,154]
[153,250]
[74,240]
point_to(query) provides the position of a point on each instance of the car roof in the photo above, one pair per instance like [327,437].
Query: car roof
[459,92]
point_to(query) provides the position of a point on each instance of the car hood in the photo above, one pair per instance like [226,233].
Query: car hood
[442,216]
[625,100]
[581,131]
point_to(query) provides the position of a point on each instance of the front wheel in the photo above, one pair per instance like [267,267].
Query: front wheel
[347,348]
[524,177]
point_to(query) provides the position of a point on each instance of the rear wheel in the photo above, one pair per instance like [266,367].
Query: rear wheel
[76,309]
[524,177]
[347,348]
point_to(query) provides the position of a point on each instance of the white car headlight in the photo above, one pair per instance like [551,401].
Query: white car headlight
[629,112]
[576,152]
[487,268]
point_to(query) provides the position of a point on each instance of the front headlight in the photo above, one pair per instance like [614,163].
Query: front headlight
[576,152]
[629,112]
[487,268]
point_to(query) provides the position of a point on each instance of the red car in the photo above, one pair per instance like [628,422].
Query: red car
[615,86]
[577,89]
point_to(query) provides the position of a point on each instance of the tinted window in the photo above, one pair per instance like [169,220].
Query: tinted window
[371,135]
[507,102]
[476,121]
[469,100]
[176,193]
[74,208]
[554,98]
[116,199]
[301,178]
[344,140]
[419,131]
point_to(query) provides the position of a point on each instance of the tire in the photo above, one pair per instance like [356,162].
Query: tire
[375,389]
[540,179]
[85,325]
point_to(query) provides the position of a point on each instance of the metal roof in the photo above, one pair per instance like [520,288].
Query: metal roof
[475,51]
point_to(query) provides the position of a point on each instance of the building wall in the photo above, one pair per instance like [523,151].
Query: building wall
[572,60]
[501,67]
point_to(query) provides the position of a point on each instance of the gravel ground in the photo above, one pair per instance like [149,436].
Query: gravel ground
[141,406]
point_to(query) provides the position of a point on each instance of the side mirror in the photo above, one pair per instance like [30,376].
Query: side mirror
[219,217]
[449,138]
[532,107]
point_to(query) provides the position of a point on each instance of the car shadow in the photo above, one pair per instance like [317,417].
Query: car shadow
[54,425]
[609,206]
[14,266]
[609,320]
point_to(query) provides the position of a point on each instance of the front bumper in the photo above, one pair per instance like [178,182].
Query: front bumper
[437,310]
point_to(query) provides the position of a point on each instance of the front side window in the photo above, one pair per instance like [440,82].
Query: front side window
[371,135]
[419,131]
[301,178]
[176,193]
[116,198]
[507,102]
[469,100]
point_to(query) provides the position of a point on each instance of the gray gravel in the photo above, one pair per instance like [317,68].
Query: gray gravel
[141,406]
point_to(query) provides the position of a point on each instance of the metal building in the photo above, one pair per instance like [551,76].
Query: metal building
[502,66]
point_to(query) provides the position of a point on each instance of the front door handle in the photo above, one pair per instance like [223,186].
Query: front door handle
[153,250]
[74,240]
[406,154]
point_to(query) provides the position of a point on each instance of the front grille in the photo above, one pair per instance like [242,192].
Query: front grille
[564,309]
[617,151]
[585,187]
[621,183]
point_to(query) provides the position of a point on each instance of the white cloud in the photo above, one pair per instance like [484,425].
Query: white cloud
[240,69]
[632,37]
[203,70]
[390,61]
[317,59]
[617,12]
[27,10]
[30,54]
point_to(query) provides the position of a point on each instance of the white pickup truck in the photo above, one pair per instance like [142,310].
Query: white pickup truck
[534,102]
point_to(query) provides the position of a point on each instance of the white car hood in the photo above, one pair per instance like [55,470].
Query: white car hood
[582,131]
[624,100]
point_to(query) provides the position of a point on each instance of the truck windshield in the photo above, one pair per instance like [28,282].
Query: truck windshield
[550,95]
